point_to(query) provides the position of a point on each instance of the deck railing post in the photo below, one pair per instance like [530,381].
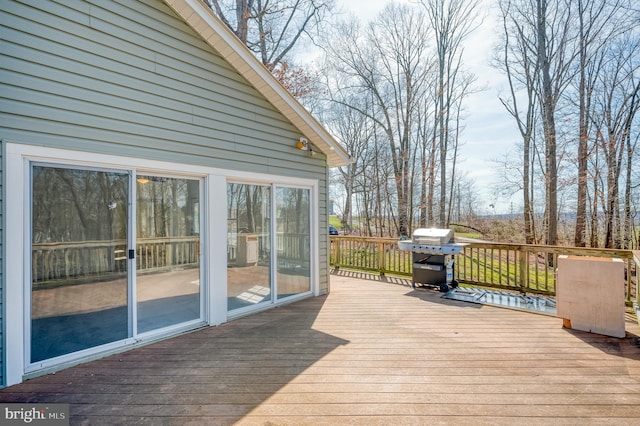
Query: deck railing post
[381,258]
[628,283]
[522,270]
[636,259]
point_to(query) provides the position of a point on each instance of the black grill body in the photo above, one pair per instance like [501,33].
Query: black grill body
[433,257]
[429,269]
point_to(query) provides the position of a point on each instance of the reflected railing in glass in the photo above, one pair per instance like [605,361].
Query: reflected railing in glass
[55,264]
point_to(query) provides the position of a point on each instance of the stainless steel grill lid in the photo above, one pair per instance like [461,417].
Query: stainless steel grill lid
[432,241]
[432,236]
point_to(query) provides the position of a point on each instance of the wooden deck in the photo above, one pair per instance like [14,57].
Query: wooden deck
[373,352]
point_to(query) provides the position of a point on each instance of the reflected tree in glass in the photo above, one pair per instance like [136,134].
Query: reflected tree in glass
[167,251]
[79,267]
[248,245]
[293,241]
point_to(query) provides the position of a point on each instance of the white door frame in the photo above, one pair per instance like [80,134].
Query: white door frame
[18,158]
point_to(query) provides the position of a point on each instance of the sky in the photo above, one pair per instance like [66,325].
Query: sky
[489,131]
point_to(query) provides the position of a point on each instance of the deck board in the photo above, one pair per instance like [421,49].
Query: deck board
[370,353]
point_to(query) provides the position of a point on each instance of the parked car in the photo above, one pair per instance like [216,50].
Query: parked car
[333,230]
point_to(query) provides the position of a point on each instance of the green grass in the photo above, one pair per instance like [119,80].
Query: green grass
[504,273]
[469,235]
[335,221]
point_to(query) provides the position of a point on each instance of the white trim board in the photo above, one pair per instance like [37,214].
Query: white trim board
[214,236]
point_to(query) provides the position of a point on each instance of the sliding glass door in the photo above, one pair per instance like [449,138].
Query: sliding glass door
[79,260]
[92,281]
[167,251]
[268,244]
[293,241]
[248,245]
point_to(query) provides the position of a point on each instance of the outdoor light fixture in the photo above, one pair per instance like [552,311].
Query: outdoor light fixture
[303,144]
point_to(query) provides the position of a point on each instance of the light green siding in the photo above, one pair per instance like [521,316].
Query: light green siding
[139,82]
[132,78]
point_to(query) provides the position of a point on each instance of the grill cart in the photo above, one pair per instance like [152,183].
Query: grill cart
[433,257]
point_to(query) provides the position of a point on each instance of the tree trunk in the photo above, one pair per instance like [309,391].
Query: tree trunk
[583,139]
[593,240]
[549,126]
[628,216]
[528,209]
[432,183]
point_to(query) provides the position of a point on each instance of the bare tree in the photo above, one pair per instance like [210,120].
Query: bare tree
[389,63]
[552,38]
[355,132]
[537,53]
[426,141]
[615,112]
[520,67]
[452,21]
[465,87]
[272,28]
[599,22]
[631,143]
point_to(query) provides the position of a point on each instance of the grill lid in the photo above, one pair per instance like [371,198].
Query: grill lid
[432,236]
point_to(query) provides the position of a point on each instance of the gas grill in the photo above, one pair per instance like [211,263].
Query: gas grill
[433,257]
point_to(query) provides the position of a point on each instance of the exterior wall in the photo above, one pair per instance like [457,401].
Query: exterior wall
[2,256]
[130,78]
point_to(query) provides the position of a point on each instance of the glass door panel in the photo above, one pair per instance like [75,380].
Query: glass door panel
[167,251]
[79,263]
[293,241]
[248,245]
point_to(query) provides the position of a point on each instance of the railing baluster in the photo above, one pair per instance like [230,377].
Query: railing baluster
[478,264]
[500,266]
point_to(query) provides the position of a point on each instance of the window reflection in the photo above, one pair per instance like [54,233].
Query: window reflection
[79,267]
[248,245]
[79,229]
[167,251]
[293,241]
[249,256]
